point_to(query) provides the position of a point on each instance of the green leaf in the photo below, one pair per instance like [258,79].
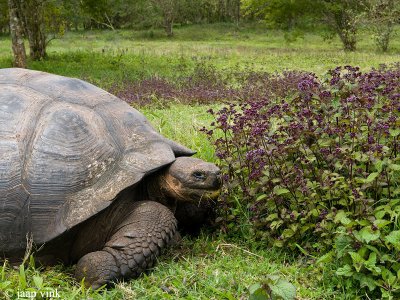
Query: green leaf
[378,166]
[371,177]
[367,234]
[342,218]
[31,262]
[380,214]
[4,284]
[38,281]
[271,217]
[280,191]
[394,167]
[394,132]
[372,258]
[366,280]
[393,238]
[343,245]
[363,222]
[388,276]
[3,271]
[257,292]
[381,223]
[22,277]
[359,156]
[278,243]
[283,289]
[302,250]
[370,264]
[358,261]
[345,271]
[276,224]
[287,233]
[261,197]
[326,258]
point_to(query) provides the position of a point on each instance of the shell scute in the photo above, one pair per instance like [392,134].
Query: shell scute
[67,149]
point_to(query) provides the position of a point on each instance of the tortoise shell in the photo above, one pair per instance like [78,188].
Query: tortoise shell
[67,148]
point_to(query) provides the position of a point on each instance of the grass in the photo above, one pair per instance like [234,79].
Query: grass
[105,57]
[181,123]
[202,268]
[211,266]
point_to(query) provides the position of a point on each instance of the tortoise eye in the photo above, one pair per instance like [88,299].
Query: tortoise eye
[199,175]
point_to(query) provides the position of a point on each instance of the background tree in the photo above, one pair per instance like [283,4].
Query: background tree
[4,16]
[17,40]
[72,14]
[98,13]
[382,16]
[343,18]
[285,14]
[33,20]
[168,11]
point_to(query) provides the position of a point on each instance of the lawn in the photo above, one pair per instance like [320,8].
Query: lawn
[215,265]
[105,57]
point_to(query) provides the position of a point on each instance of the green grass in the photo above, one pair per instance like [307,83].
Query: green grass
[202,268]
[105,57]
[181,123]
[208,267]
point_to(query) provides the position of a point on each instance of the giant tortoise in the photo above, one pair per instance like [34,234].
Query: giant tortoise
[88,179]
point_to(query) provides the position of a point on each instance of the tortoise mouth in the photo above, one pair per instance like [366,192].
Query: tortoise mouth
[198,196]
[213,195]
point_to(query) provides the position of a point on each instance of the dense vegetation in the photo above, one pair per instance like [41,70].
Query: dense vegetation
[307,136]
[41,21]
[316,165]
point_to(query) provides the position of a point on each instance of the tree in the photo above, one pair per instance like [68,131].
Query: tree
[285,14]
[98,13]
[340,16]
[382,16]
[343,17]
[18,45]
[4,16]
[168,10]
[33,16]
[42,22]
[229,10]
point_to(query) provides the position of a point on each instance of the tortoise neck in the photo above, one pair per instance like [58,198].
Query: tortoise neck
[157,190]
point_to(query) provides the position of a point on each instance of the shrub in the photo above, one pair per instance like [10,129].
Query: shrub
[319,169]
[206,84]
[382,16]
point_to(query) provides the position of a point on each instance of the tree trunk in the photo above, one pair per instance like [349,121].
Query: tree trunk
[34,23]
[344,24]
[168,25]
[348,34]
[18,45]
[221,10]
[237,13]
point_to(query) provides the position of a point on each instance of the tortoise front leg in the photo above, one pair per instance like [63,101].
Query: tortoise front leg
[132,248]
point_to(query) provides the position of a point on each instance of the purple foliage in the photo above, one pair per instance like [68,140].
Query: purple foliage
[300,150]
[206,84]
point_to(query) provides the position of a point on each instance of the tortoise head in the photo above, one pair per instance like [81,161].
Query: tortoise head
[190,179]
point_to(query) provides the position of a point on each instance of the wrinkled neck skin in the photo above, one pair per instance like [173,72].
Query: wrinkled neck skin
[157,190]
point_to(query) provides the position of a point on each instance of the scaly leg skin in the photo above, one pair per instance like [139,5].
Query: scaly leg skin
[132,248]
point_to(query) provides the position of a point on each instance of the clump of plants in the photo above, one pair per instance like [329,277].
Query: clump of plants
[204,84]
[318,169]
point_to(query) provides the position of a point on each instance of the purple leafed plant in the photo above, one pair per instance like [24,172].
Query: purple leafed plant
[297,152]
[207,84]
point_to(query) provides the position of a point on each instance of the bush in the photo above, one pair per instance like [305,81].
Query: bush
[204,83]
[318,169]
